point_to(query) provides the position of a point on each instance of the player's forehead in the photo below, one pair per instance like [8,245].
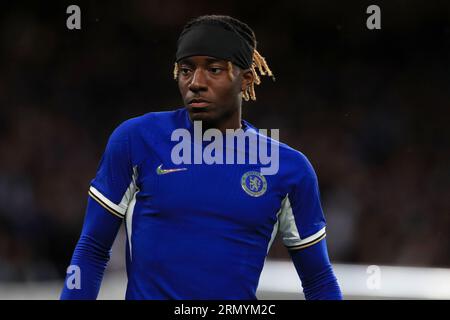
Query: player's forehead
[201,60]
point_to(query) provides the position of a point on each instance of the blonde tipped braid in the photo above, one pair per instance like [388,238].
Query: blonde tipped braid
[260,64]
[175,71]
[230,70]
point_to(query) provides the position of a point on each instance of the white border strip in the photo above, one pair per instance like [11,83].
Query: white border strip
[107,202]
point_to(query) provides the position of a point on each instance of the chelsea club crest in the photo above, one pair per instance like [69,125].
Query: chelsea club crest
[254,183]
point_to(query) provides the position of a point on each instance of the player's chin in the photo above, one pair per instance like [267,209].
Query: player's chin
[201,114]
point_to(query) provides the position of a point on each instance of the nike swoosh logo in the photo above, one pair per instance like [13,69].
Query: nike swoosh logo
[160,171]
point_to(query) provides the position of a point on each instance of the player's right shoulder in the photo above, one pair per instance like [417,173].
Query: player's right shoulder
[148,124]
[123,131]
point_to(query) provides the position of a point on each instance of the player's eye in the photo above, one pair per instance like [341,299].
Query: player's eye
[185,71]
[215,70]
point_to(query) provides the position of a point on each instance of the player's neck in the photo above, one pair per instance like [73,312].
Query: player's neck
[232,122]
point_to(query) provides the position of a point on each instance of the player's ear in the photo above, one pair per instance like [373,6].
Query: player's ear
[247,79]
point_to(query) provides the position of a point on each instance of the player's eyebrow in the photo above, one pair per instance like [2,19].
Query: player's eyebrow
[210,60]
[187,62]
[215,60]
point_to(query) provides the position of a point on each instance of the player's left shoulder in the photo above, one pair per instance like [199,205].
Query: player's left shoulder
[291,161]
[296,163]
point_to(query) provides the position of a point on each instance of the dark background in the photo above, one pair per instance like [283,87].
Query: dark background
[369,108]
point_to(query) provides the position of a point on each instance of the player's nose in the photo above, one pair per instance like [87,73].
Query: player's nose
[198,81]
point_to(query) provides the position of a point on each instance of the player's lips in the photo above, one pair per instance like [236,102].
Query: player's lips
[198,103]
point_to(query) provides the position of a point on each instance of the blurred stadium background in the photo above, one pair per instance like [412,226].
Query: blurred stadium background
[369,108]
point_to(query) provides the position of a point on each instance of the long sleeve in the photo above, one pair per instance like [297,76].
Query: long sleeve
[316,273]
[109,195]
[303,230]
[91,253]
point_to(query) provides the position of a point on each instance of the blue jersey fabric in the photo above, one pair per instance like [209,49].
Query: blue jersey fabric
[196,233]
[316,272]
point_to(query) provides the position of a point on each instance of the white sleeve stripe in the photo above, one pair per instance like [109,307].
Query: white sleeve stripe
[276,227]
[306,245]
[118,209]
[288,227]
[129,223]
[131,190]
[105,206]
[309,240]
